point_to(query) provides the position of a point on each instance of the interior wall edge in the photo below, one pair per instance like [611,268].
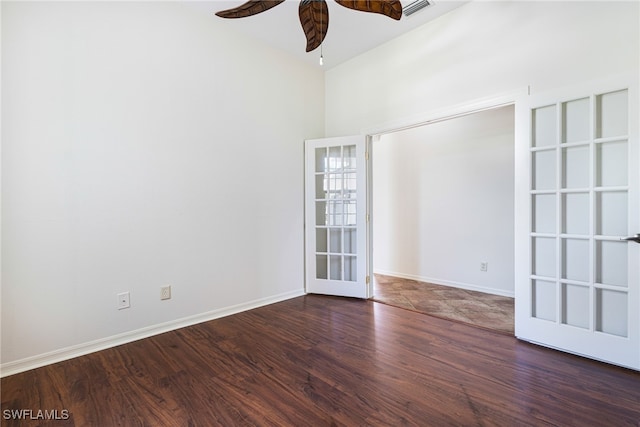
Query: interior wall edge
[37,361]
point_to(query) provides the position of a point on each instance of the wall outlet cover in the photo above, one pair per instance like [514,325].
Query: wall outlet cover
[123,300]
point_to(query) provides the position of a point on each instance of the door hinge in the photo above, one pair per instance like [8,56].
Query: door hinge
[368,217]
[366,155]
[368,279]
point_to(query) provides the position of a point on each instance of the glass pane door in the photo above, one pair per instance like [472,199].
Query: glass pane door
[582,289]
[335,216]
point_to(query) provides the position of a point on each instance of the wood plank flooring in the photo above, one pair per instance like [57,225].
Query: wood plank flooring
[322,361]
[475,308]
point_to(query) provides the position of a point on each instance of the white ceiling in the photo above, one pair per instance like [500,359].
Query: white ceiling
[350,32]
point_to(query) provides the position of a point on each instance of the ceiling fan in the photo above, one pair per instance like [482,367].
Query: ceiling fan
[314,14]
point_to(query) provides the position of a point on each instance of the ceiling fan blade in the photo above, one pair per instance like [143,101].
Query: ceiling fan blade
[390,8]
[252,7]
[314,17]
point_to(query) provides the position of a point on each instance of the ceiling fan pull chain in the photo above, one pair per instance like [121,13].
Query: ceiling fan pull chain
[321,40]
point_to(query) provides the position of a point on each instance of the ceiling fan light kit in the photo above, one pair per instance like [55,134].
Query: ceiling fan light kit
[415,6]
[314,14]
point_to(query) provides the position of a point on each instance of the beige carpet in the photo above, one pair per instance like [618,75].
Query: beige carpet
[476,308]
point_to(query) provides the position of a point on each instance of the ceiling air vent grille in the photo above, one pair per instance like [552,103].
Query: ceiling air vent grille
[415,6]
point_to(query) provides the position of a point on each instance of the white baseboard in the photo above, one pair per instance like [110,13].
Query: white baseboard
[460,285]
[67,353]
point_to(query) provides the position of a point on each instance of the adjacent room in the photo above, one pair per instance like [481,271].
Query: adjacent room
[443,218]
[154,235]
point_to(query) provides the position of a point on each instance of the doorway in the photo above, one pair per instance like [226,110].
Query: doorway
[443,218]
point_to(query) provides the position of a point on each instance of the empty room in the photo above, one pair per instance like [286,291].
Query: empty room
[188,201]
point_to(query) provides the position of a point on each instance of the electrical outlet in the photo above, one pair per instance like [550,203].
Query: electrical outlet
[484,266]
[123,300]
[165,292]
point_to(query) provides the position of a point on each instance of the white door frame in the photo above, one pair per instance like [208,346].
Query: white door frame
[426,118]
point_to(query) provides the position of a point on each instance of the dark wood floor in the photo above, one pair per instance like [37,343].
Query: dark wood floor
[316,360]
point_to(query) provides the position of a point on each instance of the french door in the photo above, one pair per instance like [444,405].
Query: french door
[335,216]
[577,212]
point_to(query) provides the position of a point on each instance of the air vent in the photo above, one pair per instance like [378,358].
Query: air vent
[415,6]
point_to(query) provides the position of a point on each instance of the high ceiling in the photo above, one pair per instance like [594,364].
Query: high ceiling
[350,32]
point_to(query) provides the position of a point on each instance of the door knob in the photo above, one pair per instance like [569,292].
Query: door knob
[635,238]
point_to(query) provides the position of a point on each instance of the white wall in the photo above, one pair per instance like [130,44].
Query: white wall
[479,50]
[144,144]
[443,200]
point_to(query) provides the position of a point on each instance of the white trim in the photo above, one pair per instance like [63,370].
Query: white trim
[449,283]
[67,353]
[369,205]
[449,112]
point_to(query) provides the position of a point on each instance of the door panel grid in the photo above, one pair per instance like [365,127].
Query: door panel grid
[336,213]
[579,200]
